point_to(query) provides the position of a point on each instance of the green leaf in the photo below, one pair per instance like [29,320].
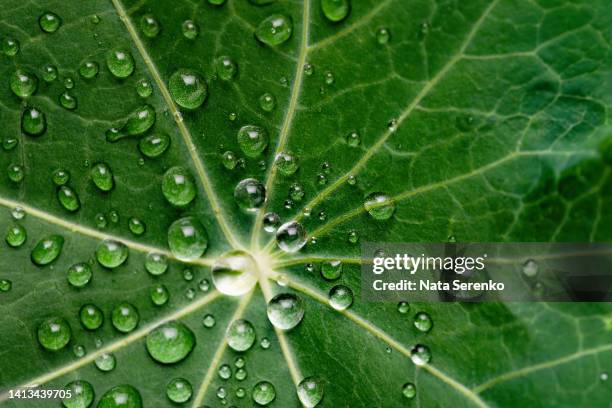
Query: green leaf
[477,120]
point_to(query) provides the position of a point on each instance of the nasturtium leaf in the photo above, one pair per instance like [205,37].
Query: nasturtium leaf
[174,170]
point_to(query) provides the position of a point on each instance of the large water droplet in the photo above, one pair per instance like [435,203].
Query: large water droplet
[47,250]
[111,254]
[33,121]
[250,194]
[179,390]
[285,311]
[154,145]
[81,394]
[310,391]
[170,343]
[187,239]
[102,176]
[274,30]
[187,88]
[16,235]
[340,297]
[121,396]
[178,186]
[252,140]
[291,236]
[120,62]
[79,274]
[125,317]
[54,333]
[49,22]
[91,316]
[263,393]
[420,355]
[235,273]
[335,10]
[240,335]
[23,83]
[380,206]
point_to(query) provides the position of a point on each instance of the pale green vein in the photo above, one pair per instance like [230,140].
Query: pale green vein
[214,363]
[382,335]
[119,344]
[92,233]
[314,259]
[541,366]
[425,90]
[287,122]
[184,131]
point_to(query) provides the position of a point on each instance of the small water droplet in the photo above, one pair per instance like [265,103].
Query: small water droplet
[423,322]
[15,173]
[353,139]
[111,254]
[188,89]
[409,391]
[159,294]
[420,355]
[226,68]
[291,236]
[403,307]
[209,321]
[287,163]
[383,35]
[190,29]
[33,121]
[265,343]
[10,46]
[335,10]
[121,396]
[125,317]
[274,30]
[23,83]
[170,343]
[138,122]
[54,333]
[250,194]
[285,311]
[340,297]
[136,226]
[89,69]
[150,26]
[154,145]
[47,250]
[530,268]
[252,140]
[187,239]
[308,68]
[91,316]
[79,274]
[179,390]
[263,393]
[178,186]
[267,102]
[156,264]
[105,362]
[49,22]
[310,391]
[81,394]
[235,273]
[120,62]
[380,206]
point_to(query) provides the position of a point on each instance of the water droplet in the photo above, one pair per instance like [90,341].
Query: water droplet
[179,390]
[380,206]
[420,355]
[229,160]
[138,122]
[33,121]
[79,274]
[221,394]
[78,350]
[121,396]
[187,239]
[114,216]
[190,29]
[68,198]
[392,125]
[328,76]
[89,69]
[263,393]
[91,316]
[102,176]
[156,264]
[68,83]
[178,186]
[241,374]
[310,391]
[409,390]
[81,394]
[10,46]
[111,254]
[267,102]
[159,294]
[68,101]
[403,307]
[16,235]
[204,285]
[209,321]
[15,173]
[274,30]
[271,221]
[423,322]
[18,213]
[353,139]
[5,285]
[225,67]
[291,236]
[105,362]
[351,180]
[125,317]
[308,68]
[287,163]
[136,226]
[9,142]
[331,270]
[54,333]
[120,62]
[187,88]
[530,268]
[225,372]
[340,297]
[321,179]
[144,89]
[235,273]
[100,220]
[154,145]
[353,237]
[23,83]
[170,343]
[285,311]
[47,250]
[383,35]
[252,140]
[265,343]
[49,22]
[603,376]
[150,26]
[240,335]
[335,10]
[250,194]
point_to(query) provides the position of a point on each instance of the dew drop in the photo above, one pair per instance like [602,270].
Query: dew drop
[285,311]
[136,226]
[144,89]
[120,62]
[383,35]
[310,391]
[353,139]
[241,374]
[100,220]
[15,173]
[265,343]
[68,198]
[423,322]
[111,254]
[267,102]
[335,10]
[5,285]
[235,273]
[89,69]
[159,294]
[49,22]
[16,235]
[187,88]
[23,83]
[271,220]
[178,186]
[287,163]
[226,67]
[102,176]
[420,355]
[331,270]
[179,390]
[9,143]
[229,160]
[150,26]
[170,343]
[125,317]
[68,101]
[156,264]
[530,268]
[10,46]
[187,239]
[274,30]
[190,29]
[91,316]
[380,206]
[403,307]
[263,393]
[340,297]
[79,274]
[154,145]
[308,68]
[138,122]
[81,394]
[353,237]
[208,321]
[47,250]
[33,121]
[18,213]
[68,83]
[252,140]
[409,391]
[328,76]
[105,362]
[250,194]
[291,236]
[240,335]
[121,396]
[54,333]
